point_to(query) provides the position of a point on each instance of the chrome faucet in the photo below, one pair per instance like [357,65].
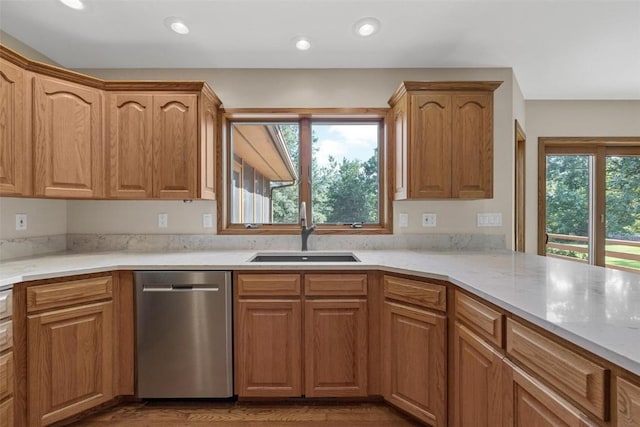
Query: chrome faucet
[305,232]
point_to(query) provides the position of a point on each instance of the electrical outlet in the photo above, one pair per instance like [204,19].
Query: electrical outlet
[207,220]
[163,220]
[489,220]
[21,222]
[429,219]
[403,220]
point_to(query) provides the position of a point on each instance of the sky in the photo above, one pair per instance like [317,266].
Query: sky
[353,141]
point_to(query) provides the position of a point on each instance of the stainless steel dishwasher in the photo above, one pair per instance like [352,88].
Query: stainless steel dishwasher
[183,334]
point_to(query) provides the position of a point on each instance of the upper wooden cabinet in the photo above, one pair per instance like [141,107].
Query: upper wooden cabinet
[156,147]
[104,139]
[15,147]
[67,139]
[444,140]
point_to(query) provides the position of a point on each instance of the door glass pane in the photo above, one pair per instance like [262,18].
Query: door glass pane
[623,212]
[568,206]
[264,179]
[345,173]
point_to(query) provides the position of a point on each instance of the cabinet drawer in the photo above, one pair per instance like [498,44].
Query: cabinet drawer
[6,413]
[6,375]
[480,318]
[425,294]
[6,304]
[6,335]
[68,293]
[335,284]
[257,285]
[579,378]
[628,397]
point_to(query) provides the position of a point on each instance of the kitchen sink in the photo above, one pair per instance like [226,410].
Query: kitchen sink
[304,257]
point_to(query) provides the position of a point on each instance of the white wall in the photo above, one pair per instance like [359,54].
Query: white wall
[15,44]
[304,88]
[570,118]
[44,217]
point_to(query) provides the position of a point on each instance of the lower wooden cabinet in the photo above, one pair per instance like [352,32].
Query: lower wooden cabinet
[6,413]
[268,348]
[336,348]
[529,403]
[414,357]
[69,361]
[628,403]
[477,376]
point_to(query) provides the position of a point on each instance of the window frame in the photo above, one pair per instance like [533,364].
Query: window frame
[305,118]
[599,148]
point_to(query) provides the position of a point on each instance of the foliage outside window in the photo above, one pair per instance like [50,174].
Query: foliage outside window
[335,165]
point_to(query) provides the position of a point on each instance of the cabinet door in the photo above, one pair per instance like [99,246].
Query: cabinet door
[69,362]
[472,155]
[335,345]
[401,139]
[175,146]
[414,360]
[208,137]
[67,139]
[477,378]
[628,402]
[130,146]
[430,146]
[268,348]
[15,155]
[528,403]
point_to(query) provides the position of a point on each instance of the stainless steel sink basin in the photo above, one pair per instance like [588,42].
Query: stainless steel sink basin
[304,257]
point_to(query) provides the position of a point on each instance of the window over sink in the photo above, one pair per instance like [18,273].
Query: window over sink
[334,162]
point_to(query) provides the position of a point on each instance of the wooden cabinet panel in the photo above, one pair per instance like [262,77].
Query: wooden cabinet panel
[430,146]
[6,304]
[628,402]
[480,318]
[335,284]
[6,335]
[268,343]
[175,146]
[62,294]
[6,375]
[472,153]
[208,139]
[528,403]
[401,139]
[477,376]
[335,348]
[67,139]
[130,145]
[425,294]
[268,285]
[6,413]
[414,357]
[69,361]
[579,378]
[15,143]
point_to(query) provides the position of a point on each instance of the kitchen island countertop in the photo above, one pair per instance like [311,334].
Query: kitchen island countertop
[595,308]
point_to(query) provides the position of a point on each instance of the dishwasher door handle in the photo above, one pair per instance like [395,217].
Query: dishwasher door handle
[170,288]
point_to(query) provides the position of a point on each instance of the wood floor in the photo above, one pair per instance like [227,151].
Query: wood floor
[232,414]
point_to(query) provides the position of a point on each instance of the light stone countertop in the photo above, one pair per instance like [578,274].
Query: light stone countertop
[593,307]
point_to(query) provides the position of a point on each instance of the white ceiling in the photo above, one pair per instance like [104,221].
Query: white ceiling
[558,49]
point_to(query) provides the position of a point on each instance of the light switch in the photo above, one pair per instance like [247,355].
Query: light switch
[403,220]
[489,220]
[163,220]
[207,220]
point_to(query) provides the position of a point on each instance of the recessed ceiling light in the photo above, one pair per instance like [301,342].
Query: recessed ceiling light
[366,27]
[177,25]
[73,4]
[302,43]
